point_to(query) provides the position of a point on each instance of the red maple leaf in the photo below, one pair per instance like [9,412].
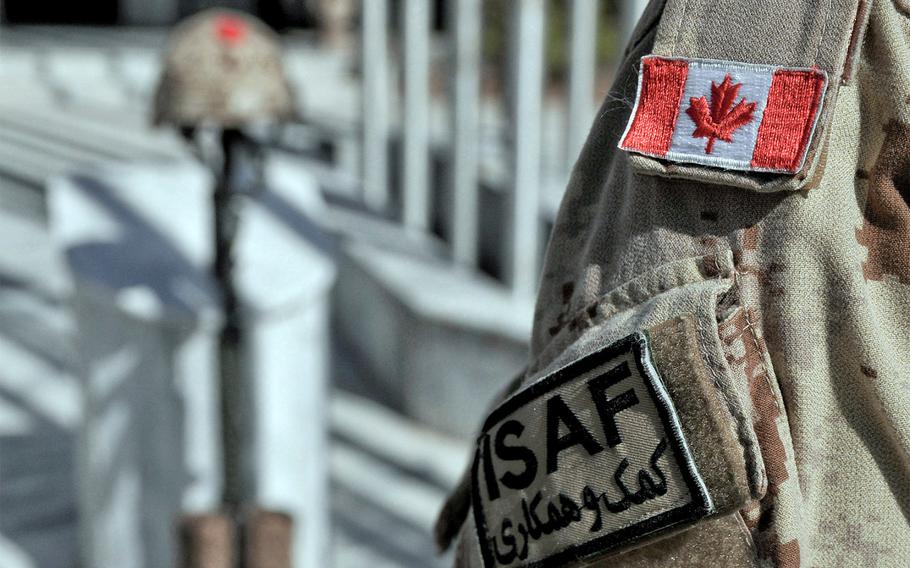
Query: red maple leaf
[720,120]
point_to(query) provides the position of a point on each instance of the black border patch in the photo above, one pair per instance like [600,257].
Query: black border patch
[639,345]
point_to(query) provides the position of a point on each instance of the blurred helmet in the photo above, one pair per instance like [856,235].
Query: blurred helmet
[223,68]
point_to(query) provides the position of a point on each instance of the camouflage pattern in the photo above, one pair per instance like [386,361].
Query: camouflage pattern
[223,68]
[818,324]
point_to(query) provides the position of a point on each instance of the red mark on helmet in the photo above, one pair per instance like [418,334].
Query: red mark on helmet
[230,29]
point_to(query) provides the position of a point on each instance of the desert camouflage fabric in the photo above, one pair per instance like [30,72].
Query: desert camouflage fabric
[817,319]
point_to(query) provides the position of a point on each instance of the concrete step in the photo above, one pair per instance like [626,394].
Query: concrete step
[425,454]
[111,133]
[440,341]
[390,476]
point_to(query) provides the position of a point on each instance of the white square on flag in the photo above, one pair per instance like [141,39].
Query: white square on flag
[736,116]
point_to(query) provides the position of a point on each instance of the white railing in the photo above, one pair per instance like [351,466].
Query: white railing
[525,77]
[582,55]
[415,25]
[465,18]
[375,103]
[526,67]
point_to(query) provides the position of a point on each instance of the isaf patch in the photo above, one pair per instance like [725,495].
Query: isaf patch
[729,115]
[583,461]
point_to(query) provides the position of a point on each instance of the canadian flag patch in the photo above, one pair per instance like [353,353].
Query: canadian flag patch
[735,116]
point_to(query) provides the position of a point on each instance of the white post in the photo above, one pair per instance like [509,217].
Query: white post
[416,123]
[374,103]
[527,87]
[582,69]
[466,18]
[631,11]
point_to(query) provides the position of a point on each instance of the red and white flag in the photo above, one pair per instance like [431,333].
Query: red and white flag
[729,115]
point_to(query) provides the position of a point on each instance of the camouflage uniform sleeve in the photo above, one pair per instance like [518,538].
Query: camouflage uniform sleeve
[796,285]
[814,328]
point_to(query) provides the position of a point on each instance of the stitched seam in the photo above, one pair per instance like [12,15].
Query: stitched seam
[821,38]
[743,423]
[860,21]
[750,327]
[765,372]
[679,26]
[762,353]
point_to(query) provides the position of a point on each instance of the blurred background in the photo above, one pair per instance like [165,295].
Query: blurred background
[383,247]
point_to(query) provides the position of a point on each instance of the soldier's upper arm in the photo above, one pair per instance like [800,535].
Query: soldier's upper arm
[650,428]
